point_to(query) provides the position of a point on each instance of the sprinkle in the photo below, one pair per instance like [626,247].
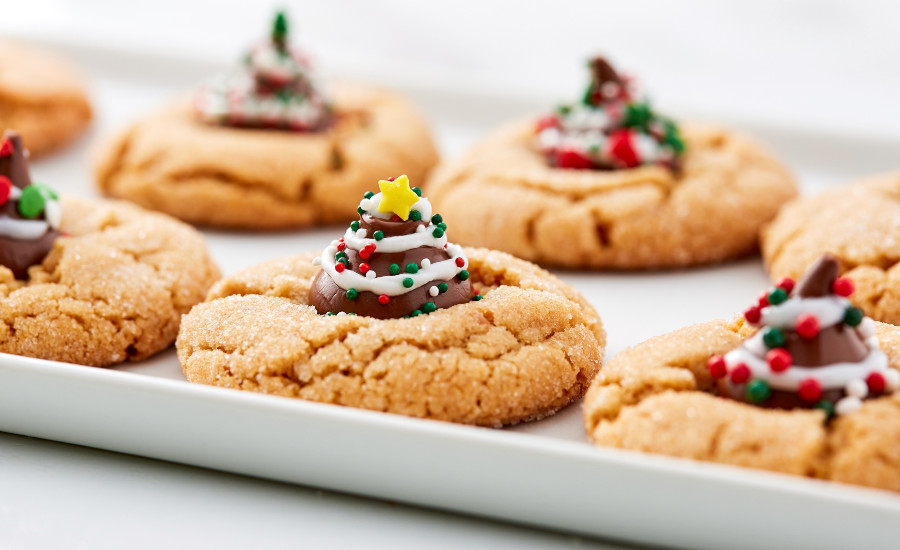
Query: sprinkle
[460,261]
[825,406]
[848,405]
[384,299]
[415,215]
[417,191]
[857,388]
[779,359]
[740,374]
[436,219]
[463,275]
[810,390]
[428,307]
[361,233]
[892,379]
[416,313]
[717,367]
[317,260]
[807,326]
[370,274]
[339,267]
[408,282]
[786,283]
[442,287]
[433,291]
[876,383]
[359,210]
[842,286]
[363,268]
[773,337]
[777,296]
[5,189]
[752,315]
[341,247]
[420,229]
[369,194]
[378,235]
[426,263]
[32,201]
[330,313]
[437,233]
[352,294]
[412,268]
[763,300]
[758,390]
[354,225]
[394,269]
[853,316]
[477,298]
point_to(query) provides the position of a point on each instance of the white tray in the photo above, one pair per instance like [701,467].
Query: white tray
[542,473]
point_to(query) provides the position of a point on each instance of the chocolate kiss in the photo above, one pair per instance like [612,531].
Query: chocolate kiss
[819,278]
[15,165]
[602,72]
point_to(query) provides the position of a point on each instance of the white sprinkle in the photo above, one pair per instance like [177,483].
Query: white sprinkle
[857,388]
[434,291]
[361,233]
[370,274]
[425,263]
[867,327]
[420,229]
[892,379]
[847,405]
[317,260]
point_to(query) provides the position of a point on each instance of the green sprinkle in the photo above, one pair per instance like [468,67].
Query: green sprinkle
[463,275]
[416,313]
[352,294]
[773,337]
[415,215]
[442,287]
[777,296]
[369,194]
[437,233]
[417,191]
[637,115]
[32,202]
[340,254]
[331,313]
[758,390]
[408,282]
[853,316]
[826,406]
[412,268]
[394,269]
[351,313]
[359,210]
[436,219]
[442,225]
[378,235]
[428,307]
[477,298]
[354,225]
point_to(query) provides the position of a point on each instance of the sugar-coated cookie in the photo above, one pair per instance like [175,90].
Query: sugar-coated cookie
[266,148]
[608,183]
[811,392]
[392,317]
[41,96]
[860,224]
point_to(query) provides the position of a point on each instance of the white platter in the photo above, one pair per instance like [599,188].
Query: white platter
[542,473]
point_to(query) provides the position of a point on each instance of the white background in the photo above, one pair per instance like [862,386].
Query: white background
[821,65]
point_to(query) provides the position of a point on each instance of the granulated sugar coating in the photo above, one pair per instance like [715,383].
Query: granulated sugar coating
[528,348]
[114,289]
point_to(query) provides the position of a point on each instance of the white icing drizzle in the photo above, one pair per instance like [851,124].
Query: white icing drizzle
[25,230]
[829,310]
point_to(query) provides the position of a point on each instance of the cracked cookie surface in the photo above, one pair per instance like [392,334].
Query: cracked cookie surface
[625,219]
[41,97]
[113,289]
[528,348]
[858,223]
[654,397]
[266,179]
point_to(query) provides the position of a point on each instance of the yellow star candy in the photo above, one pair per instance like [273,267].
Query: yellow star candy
[397,197]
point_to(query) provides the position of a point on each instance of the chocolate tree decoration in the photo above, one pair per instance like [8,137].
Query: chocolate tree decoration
[610,129]
[276,89]
[813,349]
[29,213]
[393,262]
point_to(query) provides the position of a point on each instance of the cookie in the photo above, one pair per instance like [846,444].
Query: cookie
[611,185]
[812,392]
[112,288]
[859,224]
[265,149]
[41,96]
[392,317]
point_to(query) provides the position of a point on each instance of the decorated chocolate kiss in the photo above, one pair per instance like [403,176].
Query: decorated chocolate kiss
[29,213]
[813,349]
[610,129]
[394,262]
[276,89]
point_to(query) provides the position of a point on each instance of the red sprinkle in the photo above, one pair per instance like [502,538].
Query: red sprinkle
[364,254]
[460,262]
[5,189]
[383,299]
[6,148]
[810,390]
[763,300]
[787,284]
[549,121]
[395,217]
[740,373]
[752,314]
[341,246]
[717,367]
[842,286]
[572,159]
[391,179]
[621,147]
[779,359]
[807,326]
[363,268]
[339,267]
[876,383]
